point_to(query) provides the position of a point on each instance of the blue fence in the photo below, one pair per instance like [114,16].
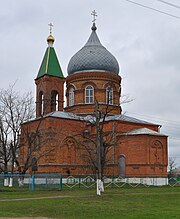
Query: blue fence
[32,182]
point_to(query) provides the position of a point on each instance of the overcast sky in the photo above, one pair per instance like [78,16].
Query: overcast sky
[146,44]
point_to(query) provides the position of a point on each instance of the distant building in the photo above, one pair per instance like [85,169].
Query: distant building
[93,76]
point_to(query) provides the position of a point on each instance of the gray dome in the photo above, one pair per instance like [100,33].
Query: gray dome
[93,56]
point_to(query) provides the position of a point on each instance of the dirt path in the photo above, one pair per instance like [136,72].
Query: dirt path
[24,218]
[35,198]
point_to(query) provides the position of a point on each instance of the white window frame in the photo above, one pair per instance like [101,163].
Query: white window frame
[109,95]
[89,94]
[71,97]
[57,102]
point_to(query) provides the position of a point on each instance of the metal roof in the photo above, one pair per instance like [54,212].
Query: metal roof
[143,131]
[50,64]
[64,115]
[93,56]
[90,118]
[125,118]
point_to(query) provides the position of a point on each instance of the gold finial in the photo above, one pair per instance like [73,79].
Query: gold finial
[50,27]
[94,14]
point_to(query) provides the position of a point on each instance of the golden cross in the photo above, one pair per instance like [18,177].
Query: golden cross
[94,14]
[50,27]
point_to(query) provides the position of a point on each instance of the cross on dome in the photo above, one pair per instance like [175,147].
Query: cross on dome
[50,27]
[94,14]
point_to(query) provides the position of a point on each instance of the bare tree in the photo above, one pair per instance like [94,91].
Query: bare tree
[5,152]
[172,165]
[34,145]
[15,108]
[96,147]
[19,132]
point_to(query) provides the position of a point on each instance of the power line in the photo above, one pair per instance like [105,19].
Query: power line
[168,3]
[168,126]
[177,139]
[173,123]
[153,9]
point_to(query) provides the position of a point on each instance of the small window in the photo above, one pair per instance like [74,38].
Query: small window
[54,101]
[122,165]
[89,94]
[71,97]
[109,95]
[34,164]
[41,103]
[35,141]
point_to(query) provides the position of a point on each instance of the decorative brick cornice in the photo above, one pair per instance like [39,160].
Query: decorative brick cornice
[93,75]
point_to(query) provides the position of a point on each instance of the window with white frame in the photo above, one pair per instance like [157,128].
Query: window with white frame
[109,95]
[89,94]
[71,97]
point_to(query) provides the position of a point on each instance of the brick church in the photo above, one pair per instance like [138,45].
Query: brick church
[64,133]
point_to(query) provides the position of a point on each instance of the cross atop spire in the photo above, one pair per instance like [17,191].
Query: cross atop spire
[50,27]
[94,14]
[50,38]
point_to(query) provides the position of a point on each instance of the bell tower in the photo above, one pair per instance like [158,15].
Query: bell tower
[49,82]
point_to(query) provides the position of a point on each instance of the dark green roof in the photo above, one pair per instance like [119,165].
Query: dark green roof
[50,64]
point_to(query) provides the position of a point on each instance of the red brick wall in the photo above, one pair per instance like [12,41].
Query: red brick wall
[46,85]
[146,155]
[100,81]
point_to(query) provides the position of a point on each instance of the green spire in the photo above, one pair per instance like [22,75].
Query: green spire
[50,64]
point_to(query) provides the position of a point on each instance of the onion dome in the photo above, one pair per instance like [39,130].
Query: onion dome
[93,57]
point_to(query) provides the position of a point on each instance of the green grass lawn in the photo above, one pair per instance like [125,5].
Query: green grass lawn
[153,202]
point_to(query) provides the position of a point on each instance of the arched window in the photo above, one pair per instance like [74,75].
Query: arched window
[71,97]
[41,103]
[109,95]
[89,94]
[57,102]
[54,100]
[122,165]
[34,164]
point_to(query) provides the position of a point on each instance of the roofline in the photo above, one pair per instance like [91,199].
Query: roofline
[137,121]
[49,76]
[129,134]
[84,119]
